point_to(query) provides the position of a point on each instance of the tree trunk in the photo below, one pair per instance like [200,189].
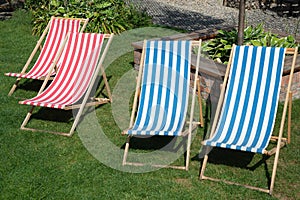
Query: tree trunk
[241,22]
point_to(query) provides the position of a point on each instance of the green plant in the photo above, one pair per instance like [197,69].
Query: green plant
[106,16]
[219,48]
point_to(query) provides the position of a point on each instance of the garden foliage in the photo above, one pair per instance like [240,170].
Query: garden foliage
[219,48]
[106,16]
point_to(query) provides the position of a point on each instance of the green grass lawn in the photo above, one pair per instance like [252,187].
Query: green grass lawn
[46,166]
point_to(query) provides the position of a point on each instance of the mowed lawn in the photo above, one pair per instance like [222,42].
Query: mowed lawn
[45,166]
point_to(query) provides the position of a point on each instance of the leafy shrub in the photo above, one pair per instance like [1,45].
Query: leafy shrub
[219,48]
[106,16]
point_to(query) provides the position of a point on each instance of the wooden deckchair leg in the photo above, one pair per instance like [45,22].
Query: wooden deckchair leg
[188,151]
[106,84]
[27,118]
[76,121]
[284,112]
[201,176]
[126,150]
[72,130]
[196,84]
[290,117]
[13,88]
[274,169]
[200,103]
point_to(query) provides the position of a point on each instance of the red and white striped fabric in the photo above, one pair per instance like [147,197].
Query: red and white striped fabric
[79,61]
[58,30]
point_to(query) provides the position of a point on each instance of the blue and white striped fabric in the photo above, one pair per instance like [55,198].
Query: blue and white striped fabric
[164,89]
[250,104]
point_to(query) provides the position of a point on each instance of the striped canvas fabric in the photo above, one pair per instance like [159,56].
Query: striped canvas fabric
[164,90]
[58,30]
[80,58]
[250,105]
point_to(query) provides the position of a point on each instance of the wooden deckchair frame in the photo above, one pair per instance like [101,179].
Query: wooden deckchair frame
[192,124]
[281,141]
[84,103]
[39,46]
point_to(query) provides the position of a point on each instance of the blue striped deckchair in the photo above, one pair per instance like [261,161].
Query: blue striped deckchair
[164,79]
[249,105]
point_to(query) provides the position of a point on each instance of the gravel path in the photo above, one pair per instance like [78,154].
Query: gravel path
[194,15]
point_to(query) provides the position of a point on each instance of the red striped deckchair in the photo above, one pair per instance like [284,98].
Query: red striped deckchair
[56,31]
[71,87]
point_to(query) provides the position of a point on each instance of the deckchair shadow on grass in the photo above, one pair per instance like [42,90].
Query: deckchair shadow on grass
[229,157]
[50,114]
[247,107]
[75,79]
[162,91]
[32,85]
[49,44]
[167,144]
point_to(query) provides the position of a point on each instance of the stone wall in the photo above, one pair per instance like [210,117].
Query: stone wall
[295,88]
